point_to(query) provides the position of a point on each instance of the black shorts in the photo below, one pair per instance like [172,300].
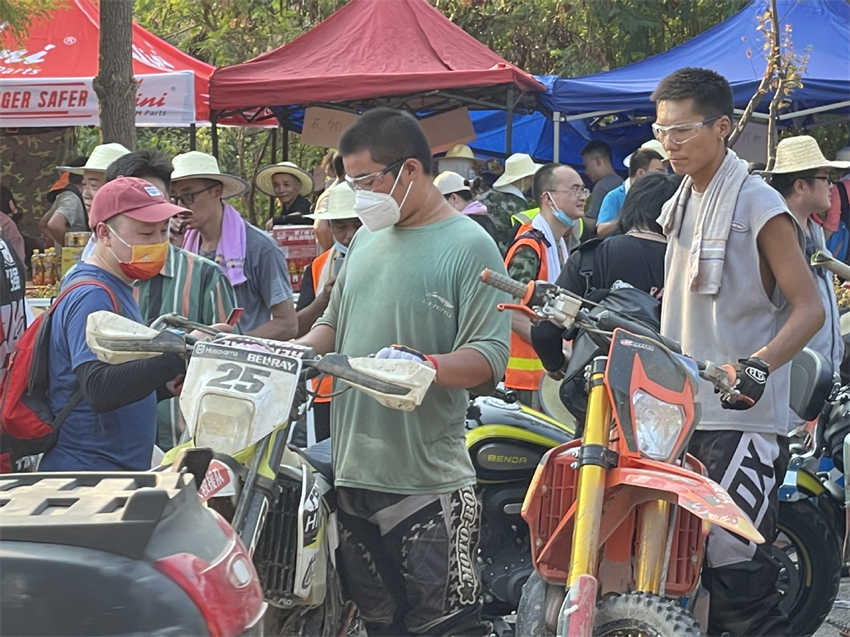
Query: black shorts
[409,561]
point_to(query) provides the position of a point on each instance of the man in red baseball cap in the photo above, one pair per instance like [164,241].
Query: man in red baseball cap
[113,424]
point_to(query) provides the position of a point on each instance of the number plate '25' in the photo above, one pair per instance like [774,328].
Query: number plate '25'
[234,396]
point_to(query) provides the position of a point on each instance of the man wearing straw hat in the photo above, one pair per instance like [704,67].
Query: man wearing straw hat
[736,290]
[801,174]
[507,197]
[71,218]
[254,264]
[290,185]
[317,284]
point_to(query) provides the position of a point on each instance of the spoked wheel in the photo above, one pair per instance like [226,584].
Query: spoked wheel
[808,553]
[643,615]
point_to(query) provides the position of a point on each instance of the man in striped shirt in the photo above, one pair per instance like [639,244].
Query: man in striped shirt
[188,284]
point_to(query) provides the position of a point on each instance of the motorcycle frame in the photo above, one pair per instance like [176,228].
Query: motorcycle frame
[617,487]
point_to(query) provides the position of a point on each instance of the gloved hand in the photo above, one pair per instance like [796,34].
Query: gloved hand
[750,376]
[405,353]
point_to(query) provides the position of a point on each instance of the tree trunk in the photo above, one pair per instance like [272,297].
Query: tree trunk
[114,84]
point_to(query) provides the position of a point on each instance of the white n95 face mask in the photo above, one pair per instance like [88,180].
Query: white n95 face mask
[378,210]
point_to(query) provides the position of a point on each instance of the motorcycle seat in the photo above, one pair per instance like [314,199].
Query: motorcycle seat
[811,383]
[319,457]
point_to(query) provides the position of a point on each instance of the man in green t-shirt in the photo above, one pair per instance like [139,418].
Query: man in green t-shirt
[409,518]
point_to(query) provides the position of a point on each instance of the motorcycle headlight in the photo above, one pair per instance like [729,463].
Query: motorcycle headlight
[658,425]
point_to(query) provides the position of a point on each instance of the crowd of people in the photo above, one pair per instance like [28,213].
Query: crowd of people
[722,251]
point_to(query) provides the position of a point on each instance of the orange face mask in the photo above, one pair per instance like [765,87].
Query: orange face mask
[146,259]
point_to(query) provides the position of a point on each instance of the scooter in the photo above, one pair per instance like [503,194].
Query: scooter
[505,441]
[238,398]
[618,519]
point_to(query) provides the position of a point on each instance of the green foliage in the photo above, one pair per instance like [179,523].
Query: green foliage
[17,15]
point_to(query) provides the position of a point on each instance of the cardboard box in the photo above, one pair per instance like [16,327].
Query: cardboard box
[70,256]
[299,245]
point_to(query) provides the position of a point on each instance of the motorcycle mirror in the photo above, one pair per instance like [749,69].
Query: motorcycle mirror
[115,339]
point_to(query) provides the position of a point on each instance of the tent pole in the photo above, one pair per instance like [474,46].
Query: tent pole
[556,146]
[214,134]
[509,123]
[273,135]
[284,144]
[193,136]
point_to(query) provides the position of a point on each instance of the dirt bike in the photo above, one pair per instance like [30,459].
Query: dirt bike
[238,398]
[619,518]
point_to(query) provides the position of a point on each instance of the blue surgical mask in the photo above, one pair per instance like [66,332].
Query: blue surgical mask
[560,215]
[340,248]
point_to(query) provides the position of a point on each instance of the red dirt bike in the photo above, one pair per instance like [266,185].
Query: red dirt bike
[619,518]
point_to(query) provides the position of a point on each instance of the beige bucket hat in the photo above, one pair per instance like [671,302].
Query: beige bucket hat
[198,165]
[339,204]
[517,166]
[99,160]
[264,177]
[800,153]
[652,144]
[448,182]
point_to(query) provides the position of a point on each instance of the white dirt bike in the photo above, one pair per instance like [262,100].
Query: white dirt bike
[238,398]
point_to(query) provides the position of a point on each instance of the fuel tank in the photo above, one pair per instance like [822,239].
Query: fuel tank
[506,439]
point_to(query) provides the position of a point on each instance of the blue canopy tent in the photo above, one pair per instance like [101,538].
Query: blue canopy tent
[733,48]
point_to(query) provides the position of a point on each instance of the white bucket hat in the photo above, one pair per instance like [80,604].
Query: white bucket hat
[198,165]
[448,182]
[796,154]
[339,204]
[264,177]
[100,158]
[652,144]
[517,166]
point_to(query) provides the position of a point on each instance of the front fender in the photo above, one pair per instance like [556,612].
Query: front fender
[693,492]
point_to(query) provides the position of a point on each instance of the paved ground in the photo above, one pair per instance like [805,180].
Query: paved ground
[840,611]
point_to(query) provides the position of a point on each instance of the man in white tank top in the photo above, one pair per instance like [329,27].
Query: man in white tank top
[734,293]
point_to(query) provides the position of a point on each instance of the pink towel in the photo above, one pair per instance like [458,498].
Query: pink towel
[230,251]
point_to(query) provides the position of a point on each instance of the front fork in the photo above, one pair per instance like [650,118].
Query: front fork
[577,611]
[576,617]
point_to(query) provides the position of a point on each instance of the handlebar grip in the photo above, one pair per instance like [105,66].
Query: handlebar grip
[504,283]
[609,321]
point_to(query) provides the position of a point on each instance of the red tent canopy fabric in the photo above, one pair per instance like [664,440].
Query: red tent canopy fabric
[367,49]
[47,79]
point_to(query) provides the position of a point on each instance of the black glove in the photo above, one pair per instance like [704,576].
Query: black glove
[750,377]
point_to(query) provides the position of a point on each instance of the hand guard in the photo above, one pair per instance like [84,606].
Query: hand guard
[750,376]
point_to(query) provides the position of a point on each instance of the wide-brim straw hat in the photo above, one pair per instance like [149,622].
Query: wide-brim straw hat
[337,203]
[652,144]
[798,154]
[264,177]
[99,160]
[198,165]
[517,166]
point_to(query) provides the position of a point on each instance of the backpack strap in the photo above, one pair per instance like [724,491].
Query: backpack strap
[585,267]
[77,396]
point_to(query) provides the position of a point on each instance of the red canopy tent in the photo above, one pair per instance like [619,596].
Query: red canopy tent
[47,79]
[402,53]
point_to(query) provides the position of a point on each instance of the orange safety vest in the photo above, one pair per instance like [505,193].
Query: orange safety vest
[323,385]
[524,367]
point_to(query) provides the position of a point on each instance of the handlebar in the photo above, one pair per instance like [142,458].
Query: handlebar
[506,284]
[607,321]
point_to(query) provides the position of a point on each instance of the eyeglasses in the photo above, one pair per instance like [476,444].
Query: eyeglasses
[579,191]
[680,133]
[826,178]
[367,182]
[189,197]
